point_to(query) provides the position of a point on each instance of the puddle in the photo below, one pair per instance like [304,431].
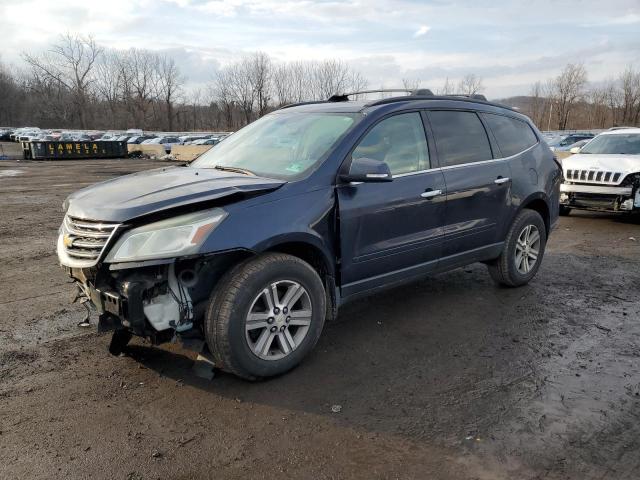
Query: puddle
[10,173]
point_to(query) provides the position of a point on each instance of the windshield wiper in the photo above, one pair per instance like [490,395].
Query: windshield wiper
[244,171]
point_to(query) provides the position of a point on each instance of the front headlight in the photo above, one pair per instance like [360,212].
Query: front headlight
[176,236]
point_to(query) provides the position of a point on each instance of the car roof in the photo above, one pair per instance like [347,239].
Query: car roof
[623,131]
[408,101]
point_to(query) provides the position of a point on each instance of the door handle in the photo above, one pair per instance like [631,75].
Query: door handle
[501,180]
[431,193]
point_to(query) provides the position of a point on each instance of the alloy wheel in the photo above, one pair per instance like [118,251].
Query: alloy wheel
[278,320]
[527,249]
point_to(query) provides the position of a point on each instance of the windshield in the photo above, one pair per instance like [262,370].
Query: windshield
[615,144]
[282,145]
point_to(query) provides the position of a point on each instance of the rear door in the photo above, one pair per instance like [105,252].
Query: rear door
[478,185]
[389,231]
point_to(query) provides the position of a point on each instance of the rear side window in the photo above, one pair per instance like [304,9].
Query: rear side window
[513,135]
[460,137]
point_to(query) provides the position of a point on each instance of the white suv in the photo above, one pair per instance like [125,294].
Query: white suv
[604,174]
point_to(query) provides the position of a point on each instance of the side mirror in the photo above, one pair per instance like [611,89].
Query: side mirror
[367,170]
[575,150]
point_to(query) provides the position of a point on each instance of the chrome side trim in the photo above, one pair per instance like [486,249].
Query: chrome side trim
[483,162]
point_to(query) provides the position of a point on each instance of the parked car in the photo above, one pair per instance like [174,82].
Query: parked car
[23,131]
[604,174]
[5,135]
[567,140]
[29,135]
[261,239]
[206,141]
[166,142]
[108,137]
[137,139]
[189,139]
[567,148]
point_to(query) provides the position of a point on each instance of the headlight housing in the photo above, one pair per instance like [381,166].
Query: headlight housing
[177,236]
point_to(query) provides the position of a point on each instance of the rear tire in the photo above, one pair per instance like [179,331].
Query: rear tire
[523,250]
[564,211]
[265,315]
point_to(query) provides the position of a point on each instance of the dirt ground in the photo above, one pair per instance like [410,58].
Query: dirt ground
[449,378]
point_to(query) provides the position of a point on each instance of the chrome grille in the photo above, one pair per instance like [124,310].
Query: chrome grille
[593,176]
[86,239]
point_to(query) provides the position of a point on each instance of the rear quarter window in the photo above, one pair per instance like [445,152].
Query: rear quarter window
[513,135]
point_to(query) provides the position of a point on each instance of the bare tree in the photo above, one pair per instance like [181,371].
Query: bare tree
[630,84]
[138,83]
[537,103]
[447,88]
[613,100]
[567,89]
[330,77]
[10,96]
[168,86]
[109,82]
[411,83]
[598,107]
[70,62]
[260,72]
[470,84]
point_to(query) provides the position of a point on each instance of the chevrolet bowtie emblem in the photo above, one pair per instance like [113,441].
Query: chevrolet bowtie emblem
[67,240]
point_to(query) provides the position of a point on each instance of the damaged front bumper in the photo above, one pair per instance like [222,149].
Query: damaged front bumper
[155,300]
[600,197]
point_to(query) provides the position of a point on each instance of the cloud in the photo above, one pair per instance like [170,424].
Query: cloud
[422,31]
[508,43]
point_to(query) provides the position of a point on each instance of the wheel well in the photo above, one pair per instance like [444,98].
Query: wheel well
[307,252]
[542,208]
[314,257]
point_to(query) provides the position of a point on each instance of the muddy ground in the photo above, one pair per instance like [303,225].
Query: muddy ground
[449,378]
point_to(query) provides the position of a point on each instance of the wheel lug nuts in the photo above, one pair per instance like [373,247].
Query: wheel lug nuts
[282,328]
[274,328]
[285,310]
[276,310]
[288,319]
[271,320]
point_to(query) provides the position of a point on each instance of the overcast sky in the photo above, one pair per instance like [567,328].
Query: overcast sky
[509,43]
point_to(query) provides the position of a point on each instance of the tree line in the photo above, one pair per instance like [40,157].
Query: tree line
[567,101]
[77,83]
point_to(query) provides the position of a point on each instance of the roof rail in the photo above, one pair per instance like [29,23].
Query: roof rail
[344,97]
[289,105]
[475,96]
[420,94]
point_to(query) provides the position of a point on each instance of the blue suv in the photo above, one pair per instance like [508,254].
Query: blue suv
[247,251]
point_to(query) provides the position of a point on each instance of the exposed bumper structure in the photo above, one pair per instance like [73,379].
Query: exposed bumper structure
[600,197]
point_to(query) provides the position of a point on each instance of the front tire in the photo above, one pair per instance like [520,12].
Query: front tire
[265,315]
[523,250]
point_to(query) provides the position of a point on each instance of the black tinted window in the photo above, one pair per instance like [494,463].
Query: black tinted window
[513,136]
[460,137]
[399,141]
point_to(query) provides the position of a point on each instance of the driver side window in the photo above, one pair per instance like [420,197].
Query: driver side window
[399,141]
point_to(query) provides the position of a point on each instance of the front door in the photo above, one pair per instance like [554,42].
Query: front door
[389,231]
[478,186]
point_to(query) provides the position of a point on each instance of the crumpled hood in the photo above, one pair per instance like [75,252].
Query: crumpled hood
[624,164]
[142,193]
